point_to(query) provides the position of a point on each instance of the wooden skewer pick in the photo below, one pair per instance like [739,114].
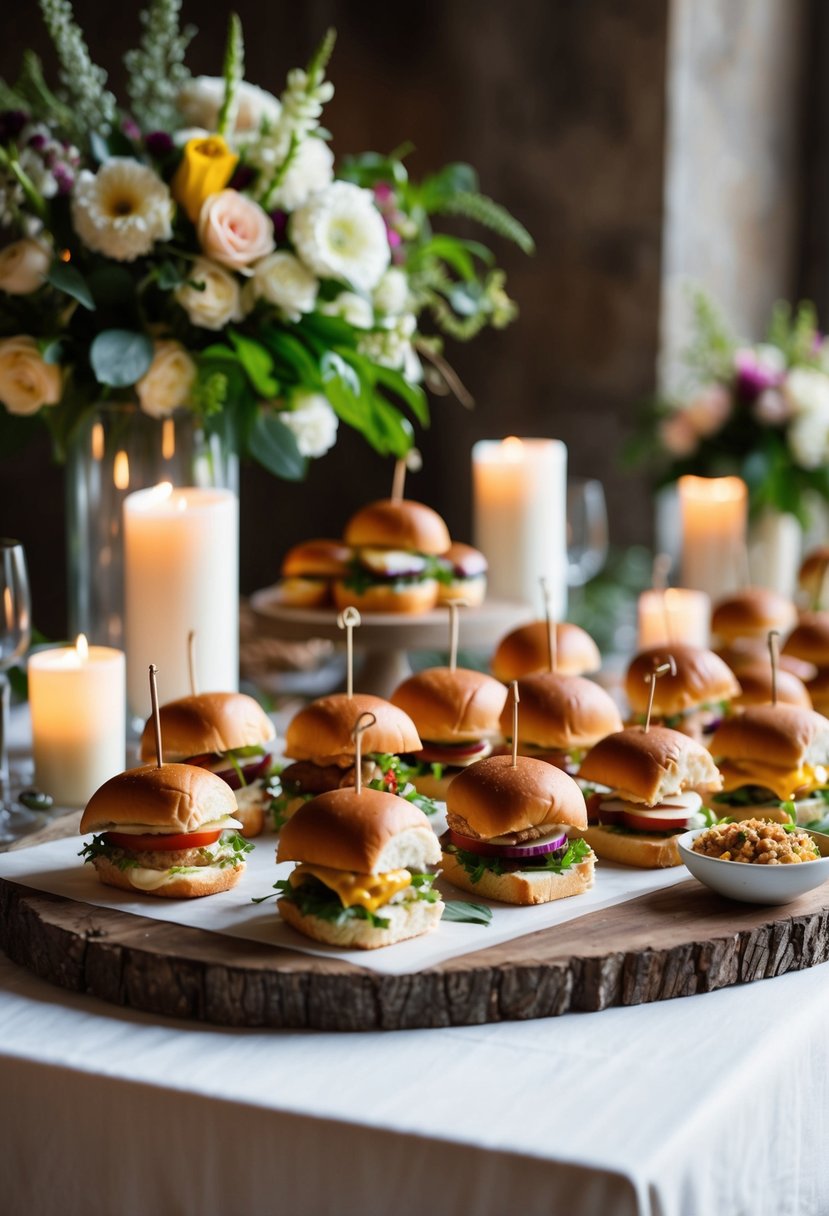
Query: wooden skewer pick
[660,570]
[348,620]
[552,634]
[454,624]
[650,678]
[774,645]
[364,721]
[191,662]
[515,700]
[159,756]
[399,481]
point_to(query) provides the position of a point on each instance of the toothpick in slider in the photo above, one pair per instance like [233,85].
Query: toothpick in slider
[552,635]
[515,699]
[159,756]
[650,678]
[348,620]
[399,482]
[191,662]
[454,623]
[774,654]
[364,721]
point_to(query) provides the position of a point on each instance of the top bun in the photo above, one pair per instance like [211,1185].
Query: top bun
[317,559]
[701,676]
[744,653]
[650,765]
[208,722]
[465,561]
[322,731]
[810,640]
[451,706]
[561,712]
[173,798]
[813,570]
[491,798]
[783,735]
[751,613]
[755,685]
[398,524]
[524,651]
[368,833]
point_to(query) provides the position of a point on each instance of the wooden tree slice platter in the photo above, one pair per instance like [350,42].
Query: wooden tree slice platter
[670,943]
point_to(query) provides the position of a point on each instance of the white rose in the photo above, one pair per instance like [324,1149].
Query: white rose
[313,422]
[200,101]
[391,295]
[26,381]
[283,280]
[23,267]
[808,438]
[340,234]
[354,309]
[311,170]
[168,381]
[211,296]
[807,391]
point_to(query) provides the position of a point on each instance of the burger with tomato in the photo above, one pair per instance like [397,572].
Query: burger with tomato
[655,782]
[455,712]
[509,832]
[168,830]
[693,697]
[526,650]
[396,567]
[561,718]
[227,733]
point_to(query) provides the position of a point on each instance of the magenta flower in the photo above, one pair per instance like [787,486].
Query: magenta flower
[758,368]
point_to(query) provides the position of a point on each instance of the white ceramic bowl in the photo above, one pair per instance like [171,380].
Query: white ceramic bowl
[756,884]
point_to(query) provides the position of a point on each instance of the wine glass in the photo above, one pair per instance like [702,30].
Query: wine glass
[587,538]
[15,636]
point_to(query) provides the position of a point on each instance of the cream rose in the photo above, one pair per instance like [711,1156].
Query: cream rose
[168,381]
[234,230]
[283,280]
[26,381]
[23,267]
[211,296]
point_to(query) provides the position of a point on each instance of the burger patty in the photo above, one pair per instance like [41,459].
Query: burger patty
[458,824]
[164,859]
[308,778]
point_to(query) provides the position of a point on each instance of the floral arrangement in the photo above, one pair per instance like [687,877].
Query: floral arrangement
[760,411]
[198,249]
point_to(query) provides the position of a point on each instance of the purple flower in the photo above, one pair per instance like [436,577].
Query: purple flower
[242,178]
[131,129]
[394,238]
[159,144]
[758,369]
[37,142]
[64,177]
[279,219]
[383,193]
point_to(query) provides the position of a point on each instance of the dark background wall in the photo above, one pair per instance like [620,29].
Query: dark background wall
[560,104]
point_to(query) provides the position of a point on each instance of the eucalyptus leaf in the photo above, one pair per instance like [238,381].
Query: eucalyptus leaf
[68,279]
[274,445]
[460,910]
[120,357]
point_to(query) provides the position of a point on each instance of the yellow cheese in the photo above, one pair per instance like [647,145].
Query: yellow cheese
[369,891]
[783,782]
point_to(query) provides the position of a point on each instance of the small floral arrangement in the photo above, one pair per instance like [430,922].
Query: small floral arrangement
[760,411]
[197,249]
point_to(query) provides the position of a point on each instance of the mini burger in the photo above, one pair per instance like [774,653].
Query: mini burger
[309,570]
[749,614]
[320,745]
[656,780]
[774,761]
[756,688]
[561,718]
[466,576]
[809,642]
[693,698]
[740,655]
[812,576]
[456,714]
[364,873]
[168,830]
[397,544]
[508,832]
[227,733]
[525,650]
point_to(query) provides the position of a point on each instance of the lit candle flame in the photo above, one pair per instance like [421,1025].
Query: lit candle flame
[82,648]
[513,448]
[168,439]
[98,441]
[121,471]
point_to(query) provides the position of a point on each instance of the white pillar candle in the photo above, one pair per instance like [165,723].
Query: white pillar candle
[520,510]
[78,703]
[674,615]
[181,572]
[714,516]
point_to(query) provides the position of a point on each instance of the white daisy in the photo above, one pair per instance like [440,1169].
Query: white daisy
[122,210]
[340,234]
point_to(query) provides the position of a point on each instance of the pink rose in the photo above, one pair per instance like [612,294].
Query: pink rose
[678,435]
[709,410]
[234,230]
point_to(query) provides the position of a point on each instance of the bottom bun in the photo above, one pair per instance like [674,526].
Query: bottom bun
[382,597]
[471,590]
[642,850]
[251,802]
[303,592]
[210,881]
[807,810]
[522,886]
[407,920]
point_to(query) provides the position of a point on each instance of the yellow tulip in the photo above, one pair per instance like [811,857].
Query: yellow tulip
[206,167]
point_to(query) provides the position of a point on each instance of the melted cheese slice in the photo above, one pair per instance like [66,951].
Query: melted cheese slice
[369,891]
[784,782]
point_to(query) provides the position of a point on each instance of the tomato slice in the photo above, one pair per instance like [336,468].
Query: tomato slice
[436,753]
[667,819]
[165,842]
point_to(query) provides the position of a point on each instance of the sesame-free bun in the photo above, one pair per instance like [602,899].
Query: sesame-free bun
[701,676]
[466,562]
[302,592]
[524,651]
[751,613]
[317,559]
[388,597]
[398,524]
[469,569]
[810,639]
[448,706]
[756,687]
[784,736]
[469,591]
[647,766]
[747,653]
[367,833]
[642,849]
[491,798]
[174,798]
[208,722]
[813,571]
[322,731]
[522,886]
[404,921]
[561,712]
[209,880]
[818,688]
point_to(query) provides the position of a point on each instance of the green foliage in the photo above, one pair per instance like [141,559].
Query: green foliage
[233,73]
[156,68]
[489,214]
[91,105]
[120,357]
[71,282]
[274,445]
[472,914]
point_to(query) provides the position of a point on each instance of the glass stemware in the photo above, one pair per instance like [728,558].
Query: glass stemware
[587,533]
[15,636]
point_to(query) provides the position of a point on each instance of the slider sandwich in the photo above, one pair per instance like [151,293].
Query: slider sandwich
[756,687]
[227,733]
[749,614]
[655,781]
[812,576]
[168,830]
[809,642]
[526,650]
[466,576]
[397,545]
[309,570]
[692,698]
[561,718]
[508,832]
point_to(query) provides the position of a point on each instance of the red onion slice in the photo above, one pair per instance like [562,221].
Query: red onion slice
[531,848]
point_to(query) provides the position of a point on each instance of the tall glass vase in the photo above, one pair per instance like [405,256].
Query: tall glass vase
[116,450]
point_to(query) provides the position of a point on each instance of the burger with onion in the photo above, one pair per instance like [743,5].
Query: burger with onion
[692,697]
[396,567]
